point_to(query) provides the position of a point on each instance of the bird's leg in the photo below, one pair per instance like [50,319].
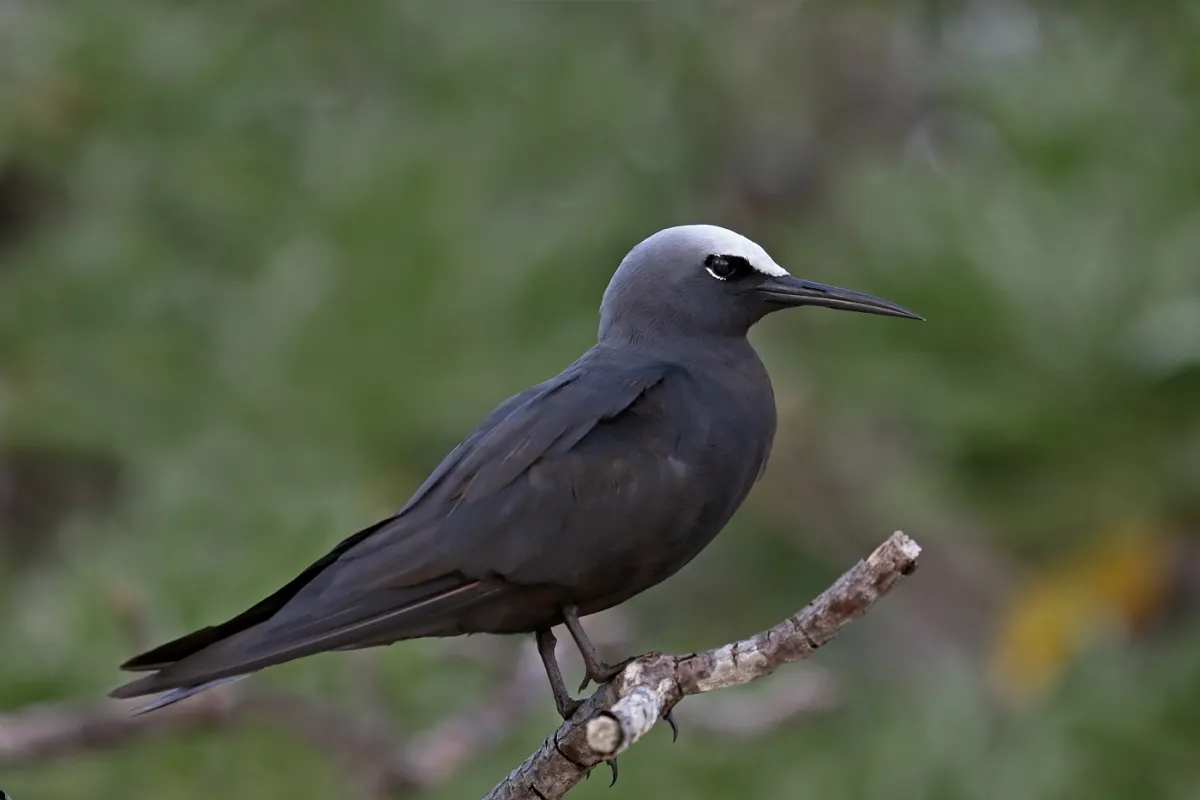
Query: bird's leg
[595,669]
[566,705]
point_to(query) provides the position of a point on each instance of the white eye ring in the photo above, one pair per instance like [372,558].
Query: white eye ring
[723,262]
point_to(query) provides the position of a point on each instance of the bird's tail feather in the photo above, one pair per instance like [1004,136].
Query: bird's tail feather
[250,650]
[182,693]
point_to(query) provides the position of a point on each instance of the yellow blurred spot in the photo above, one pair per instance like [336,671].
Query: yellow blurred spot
[1106,592]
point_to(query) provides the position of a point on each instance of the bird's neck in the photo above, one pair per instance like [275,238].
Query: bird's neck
[709,350]
[672,342]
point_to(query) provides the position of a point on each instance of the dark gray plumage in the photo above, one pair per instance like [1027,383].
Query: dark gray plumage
[569,498]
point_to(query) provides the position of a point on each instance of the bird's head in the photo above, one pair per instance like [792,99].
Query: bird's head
[703,280]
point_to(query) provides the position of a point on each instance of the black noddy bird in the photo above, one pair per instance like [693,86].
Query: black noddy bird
[570,498]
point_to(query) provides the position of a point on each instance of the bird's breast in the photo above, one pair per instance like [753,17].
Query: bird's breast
[704,443]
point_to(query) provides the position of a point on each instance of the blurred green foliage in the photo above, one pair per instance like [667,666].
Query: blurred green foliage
[274,259]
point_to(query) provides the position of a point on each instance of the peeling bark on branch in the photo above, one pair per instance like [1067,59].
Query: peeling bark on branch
[623,710]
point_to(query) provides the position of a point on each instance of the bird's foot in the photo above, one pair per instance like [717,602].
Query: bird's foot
[601,673]
[594,669]
[567,706]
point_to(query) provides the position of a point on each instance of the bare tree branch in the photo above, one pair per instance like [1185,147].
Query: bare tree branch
[44,732]
[623,710]
[747,714]
[386,764]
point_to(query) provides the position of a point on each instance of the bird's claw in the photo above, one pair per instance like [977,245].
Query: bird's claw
[669,718]
[603,673]
[612,764]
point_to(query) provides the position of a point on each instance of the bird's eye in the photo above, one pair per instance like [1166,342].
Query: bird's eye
[725,267]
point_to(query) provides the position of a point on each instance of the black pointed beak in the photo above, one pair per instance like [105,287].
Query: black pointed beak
[787,291]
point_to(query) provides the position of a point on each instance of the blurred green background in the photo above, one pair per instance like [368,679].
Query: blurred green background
[262,264]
